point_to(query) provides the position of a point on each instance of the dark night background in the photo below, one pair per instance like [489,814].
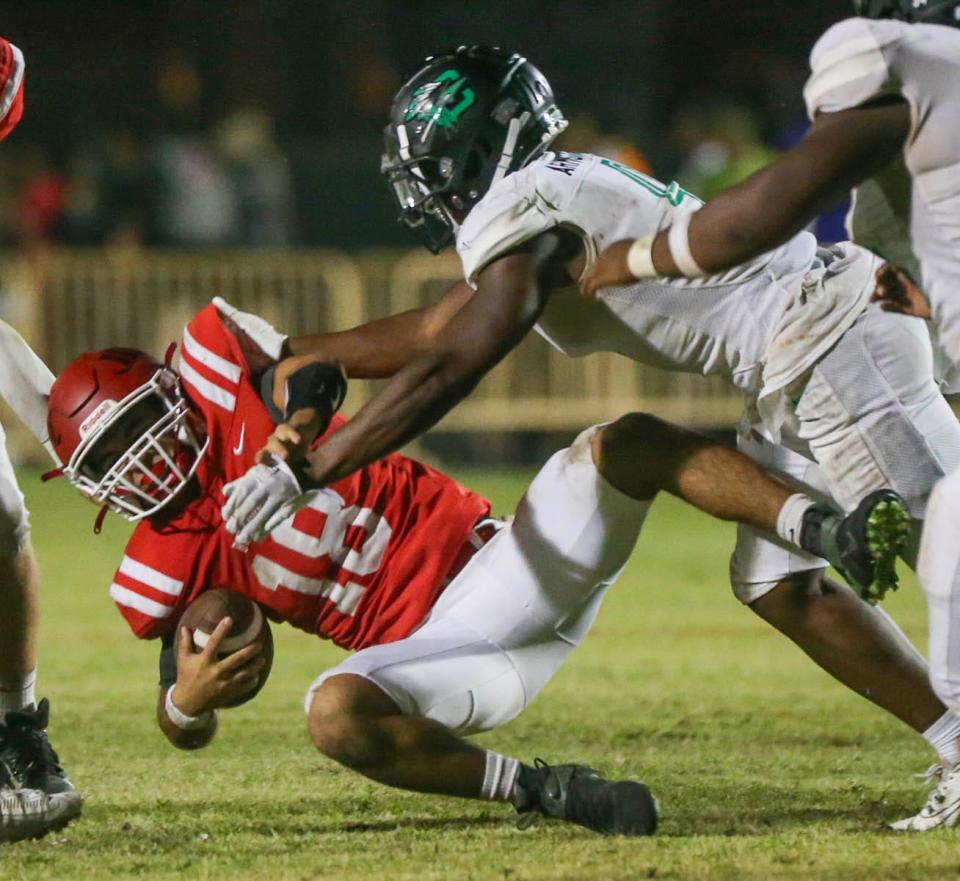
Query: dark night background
[107,82]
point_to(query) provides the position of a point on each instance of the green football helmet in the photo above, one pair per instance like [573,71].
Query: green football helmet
[915,11]
[464,120]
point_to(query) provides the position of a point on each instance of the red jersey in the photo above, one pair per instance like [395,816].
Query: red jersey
[362,564]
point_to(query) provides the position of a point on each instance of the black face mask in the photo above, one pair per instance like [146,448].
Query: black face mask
[421,205]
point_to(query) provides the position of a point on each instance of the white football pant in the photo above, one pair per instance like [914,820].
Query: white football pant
[25,383]
[511,617]
[938,569]
[869,416]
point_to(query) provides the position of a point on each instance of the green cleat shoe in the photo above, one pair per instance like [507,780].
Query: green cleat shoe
[578,794]
[862,546]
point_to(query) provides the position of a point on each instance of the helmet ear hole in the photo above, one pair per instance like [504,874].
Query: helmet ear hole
[477,159]
[473,165]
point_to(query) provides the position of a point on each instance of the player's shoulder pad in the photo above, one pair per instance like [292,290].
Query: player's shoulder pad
[516,209]
[149,585]
[848,66]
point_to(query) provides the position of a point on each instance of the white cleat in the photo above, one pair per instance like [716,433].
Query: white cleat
[28,813]
[942,809]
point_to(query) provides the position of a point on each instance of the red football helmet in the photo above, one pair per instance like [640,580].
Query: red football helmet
[11,87]
[120,424]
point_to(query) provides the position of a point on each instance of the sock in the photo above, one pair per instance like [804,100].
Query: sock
[499,778]
[18,694]
[943,736]
[790,518]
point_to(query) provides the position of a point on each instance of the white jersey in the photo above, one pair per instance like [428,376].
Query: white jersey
[720,325]
[910,212]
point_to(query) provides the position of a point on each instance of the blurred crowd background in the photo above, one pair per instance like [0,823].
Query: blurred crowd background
[205,123]
[173,150]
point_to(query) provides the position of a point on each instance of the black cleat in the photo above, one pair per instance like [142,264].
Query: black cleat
[36,796]
[864,545]
[578,794]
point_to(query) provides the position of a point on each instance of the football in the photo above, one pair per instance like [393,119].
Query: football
[249,625]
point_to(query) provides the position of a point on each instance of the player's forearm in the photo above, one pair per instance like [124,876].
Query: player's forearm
[478,332]
[840,150]
[381,348]
[184,738]
[415,400]
[371,351]
[747,220]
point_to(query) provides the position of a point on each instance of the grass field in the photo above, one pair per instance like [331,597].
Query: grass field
[764,768]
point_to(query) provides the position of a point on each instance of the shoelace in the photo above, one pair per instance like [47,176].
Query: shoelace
[590,804]
[33,751]
[938,795]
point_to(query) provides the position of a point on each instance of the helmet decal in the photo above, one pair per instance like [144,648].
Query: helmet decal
[92,422]
[427,106]
[467,118]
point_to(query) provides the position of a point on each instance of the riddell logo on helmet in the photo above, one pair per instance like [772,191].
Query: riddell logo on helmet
[89,425]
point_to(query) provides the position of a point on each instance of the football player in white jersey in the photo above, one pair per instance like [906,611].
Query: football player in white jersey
[840,395]
[35,794]
[884,97]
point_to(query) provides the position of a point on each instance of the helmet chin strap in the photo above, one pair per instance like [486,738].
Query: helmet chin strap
[509,146]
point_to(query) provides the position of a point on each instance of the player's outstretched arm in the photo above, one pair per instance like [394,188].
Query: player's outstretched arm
[839,151]
[510,297]
[379,349]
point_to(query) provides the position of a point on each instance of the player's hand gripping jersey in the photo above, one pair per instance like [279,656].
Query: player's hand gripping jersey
[909,213]
[362,564]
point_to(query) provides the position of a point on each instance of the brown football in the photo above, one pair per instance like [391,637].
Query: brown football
[249,625]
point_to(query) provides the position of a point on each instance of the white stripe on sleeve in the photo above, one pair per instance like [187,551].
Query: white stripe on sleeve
[13,84]
[132,600]
[228,369]
[205,388]
[151,577]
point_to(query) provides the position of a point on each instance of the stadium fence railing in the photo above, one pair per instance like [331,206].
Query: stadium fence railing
[70,301]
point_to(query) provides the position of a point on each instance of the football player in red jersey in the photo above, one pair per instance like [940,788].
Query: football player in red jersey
[35,793]
[457,620]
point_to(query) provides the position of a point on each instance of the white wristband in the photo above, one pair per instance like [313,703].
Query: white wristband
[181,719]
[679,244]
[640,258]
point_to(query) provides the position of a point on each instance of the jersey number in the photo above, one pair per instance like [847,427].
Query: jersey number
[344,554]
[672,192]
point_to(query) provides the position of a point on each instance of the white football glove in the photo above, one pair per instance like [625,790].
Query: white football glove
[260,501]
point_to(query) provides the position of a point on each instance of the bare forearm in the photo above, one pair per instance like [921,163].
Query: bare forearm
[477,334]
[840,150]
[380,348]
[372,351]
[743,222]
[415,400]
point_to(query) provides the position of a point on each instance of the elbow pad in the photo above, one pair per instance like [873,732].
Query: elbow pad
[320,387]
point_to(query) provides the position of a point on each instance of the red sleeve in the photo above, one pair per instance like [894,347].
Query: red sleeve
[152,586]
[11,87]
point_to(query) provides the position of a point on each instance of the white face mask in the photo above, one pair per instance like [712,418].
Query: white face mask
[159,451]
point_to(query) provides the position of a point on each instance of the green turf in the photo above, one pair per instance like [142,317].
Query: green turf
[765,768]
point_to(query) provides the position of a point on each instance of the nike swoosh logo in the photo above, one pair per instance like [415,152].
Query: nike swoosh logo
[238,449]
